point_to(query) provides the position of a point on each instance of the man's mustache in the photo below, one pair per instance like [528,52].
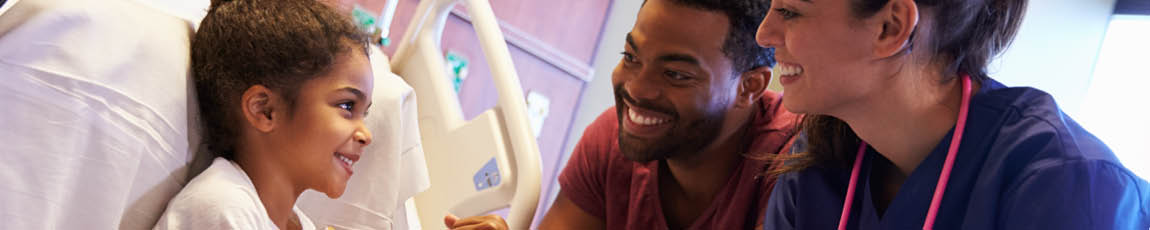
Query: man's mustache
[623,95]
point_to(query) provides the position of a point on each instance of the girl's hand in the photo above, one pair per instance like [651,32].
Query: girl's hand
[488,222]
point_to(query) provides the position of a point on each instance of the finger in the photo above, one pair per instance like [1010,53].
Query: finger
[450,220]
[491,222]
[479,226]
[480,219]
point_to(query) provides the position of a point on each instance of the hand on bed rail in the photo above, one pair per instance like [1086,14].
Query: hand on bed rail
[488,222]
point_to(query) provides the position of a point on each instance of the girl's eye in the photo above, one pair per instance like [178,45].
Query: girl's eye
[347,106]
[786,14]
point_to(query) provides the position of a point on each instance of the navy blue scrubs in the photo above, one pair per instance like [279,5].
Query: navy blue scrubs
[1022,164]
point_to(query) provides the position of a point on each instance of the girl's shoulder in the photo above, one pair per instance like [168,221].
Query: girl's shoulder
[221,197]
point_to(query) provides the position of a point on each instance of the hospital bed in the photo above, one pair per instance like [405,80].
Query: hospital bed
[497,146]
[98,124]
[475,166]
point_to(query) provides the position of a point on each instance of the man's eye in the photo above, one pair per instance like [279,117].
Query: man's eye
[676,75]
[628,58]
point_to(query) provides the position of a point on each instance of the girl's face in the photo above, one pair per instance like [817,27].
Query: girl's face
[824,53]
[325,134]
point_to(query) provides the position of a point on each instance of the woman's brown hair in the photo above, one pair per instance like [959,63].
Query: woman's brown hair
[969,33]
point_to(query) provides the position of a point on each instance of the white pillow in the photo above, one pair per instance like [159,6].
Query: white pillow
[94,113]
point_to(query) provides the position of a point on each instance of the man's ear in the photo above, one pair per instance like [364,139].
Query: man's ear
[751,86]
[258,107]
[899,20]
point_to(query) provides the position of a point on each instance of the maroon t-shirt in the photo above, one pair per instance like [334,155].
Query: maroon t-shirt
[625,194]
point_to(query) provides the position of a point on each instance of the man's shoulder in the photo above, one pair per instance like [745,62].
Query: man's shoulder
[773,115]
[774,127]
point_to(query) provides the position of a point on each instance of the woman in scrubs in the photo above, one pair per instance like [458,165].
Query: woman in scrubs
[905,129]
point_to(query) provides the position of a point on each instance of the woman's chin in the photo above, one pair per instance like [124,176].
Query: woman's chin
[794,104]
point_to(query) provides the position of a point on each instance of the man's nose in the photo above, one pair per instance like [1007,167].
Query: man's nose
[643,87]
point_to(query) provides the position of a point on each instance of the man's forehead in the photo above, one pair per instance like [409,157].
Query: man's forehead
[682,17]
[664,27]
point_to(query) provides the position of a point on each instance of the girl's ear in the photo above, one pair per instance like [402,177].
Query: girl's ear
[259,108]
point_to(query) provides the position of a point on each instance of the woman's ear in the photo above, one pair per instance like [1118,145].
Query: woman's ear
[899,20]
[751,86]
[258,108]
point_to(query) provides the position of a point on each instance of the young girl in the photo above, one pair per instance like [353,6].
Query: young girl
[283,86]
[906,130]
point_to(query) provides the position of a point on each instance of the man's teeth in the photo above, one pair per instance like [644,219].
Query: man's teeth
[344,159]
[644,120]
[784,69]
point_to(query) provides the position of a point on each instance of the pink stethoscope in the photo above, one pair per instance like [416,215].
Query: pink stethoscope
[943,177]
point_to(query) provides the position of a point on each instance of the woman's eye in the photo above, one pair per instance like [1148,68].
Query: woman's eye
[786,14]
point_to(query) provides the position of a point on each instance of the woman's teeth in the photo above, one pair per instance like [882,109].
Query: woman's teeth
[344,159]
[644,120]
[783,69]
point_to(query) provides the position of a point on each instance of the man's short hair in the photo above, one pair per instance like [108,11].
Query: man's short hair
[744,17]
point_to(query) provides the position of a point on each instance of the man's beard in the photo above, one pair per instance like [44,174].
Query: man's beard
[685,138]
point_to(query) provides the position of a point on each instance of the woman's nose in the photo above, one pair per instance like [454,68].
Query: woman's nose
[769,33]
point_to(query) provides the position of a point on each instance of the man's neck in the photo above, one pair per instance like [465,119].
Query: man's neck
[689,184]
[703,175]
[275,188]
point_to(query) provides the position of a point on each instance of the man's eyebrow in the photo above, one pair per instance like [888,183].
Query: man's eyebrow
[675,57]
[631,42]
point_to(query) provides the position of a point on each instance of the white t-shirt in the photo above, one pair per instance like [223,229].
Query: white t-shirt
[222,197]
